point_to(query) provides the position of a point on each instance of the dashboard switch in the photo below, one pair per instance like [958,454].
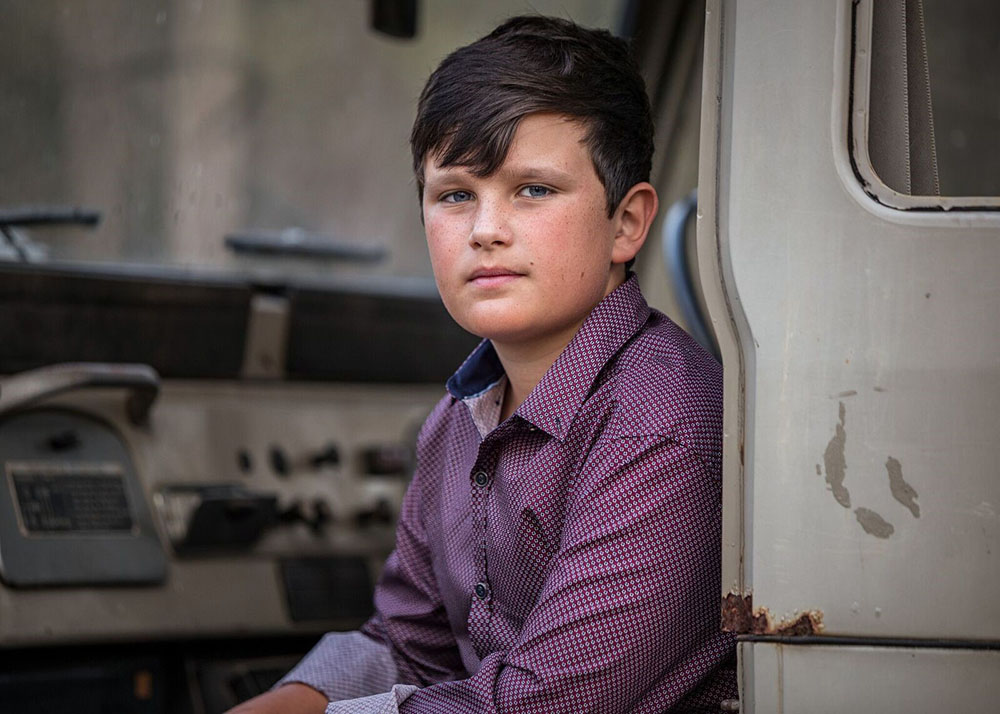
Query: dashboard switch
[279,461]
[64,440]
[244,461]
[329,455]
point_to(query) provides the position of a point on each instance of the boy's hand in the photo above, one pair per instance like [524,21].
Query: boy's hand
[291,698]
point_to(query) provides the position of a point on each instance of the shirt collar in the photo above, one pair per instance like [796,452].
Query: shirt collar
[485,407]
[553,403]
[480,371]
[555,400]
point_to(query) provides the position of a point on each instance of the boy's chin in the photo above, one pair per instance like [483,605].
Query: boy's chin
[521,337]
[499,333]
[495,334]
[497,323]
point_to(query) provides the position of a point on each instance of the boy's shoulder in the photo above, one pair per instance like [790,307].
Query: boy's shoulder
[663,383]
[660,383]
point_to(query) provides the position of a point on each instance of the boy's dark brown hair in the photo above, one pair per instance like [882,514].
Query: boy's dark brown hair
[473,102]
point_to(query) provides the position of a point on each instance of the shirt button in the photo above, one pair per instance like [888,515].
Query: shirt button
[481,478]
[482,590]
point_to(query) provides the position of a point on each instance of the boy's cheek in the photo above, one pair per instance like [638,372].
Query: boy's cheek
[439,231]
[442,257]
[445,249]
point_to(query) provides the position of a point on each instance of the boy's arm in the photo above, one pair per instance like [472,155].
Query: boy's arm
[344,665]
[630,603]
[290,699]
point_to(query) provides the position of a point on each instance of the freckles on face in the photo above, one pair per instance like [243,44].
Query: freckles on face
[540,219]
[443,253]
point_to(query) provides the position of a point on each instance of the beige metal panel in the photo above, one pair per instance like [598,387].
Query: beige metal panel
[200,599]
[725,311]
[194,433]
[804,679]
[873,372]
[197,429]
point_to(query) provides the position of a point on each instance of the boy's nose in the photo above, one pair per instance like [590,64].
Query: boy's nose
[490,229]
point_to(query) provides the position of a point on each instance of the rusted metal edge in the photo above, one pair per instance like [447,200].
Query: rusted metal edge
[739,616]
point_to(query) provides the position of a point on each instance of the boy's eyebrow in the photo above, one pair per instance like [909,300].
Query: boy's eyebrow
[535,173]
[444,175]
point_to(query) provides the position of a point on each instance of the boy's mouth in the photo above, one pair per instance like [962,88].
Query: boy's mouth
[491,277]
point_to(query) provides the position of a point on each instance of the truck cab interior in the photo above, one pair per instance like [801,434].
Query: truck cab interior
[220,334]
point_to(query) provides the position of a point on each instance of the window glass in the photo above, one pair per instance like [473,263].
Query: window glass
[184,121]
[963,51]
[934,100]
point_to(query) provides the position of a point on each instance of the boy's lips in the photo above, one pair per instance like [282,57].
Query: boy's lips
[491,277]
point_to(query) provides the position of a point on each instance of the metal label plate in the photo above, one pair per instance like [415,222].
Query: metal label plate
[70,501]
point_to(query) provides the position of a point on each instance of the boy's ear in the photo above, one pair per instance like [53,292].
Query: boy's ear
[633,219]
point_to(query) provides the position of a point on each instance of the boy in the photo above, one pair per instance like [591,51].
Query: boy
[558,548]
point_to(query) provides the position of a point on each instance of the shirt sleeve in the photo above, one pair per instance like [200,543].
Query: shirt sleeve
[629,605]
[387,703]
[345,665]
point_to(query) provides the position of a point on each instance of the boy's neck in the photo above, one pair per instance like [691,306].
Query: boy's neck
[527,362]
[525,367]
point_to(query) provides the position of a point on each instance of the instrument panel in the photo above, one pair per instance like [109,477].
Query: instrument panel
[220,535]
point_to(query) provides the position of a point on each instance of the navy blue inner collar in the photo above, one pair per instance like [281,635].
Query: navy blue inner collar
[479,372]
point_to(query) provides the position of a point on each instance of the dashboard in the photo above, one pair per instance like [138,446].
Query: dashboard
[194,547]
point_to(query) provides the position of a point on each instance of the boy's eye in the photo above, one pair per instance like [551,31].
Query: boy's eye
[535,191]
[457,197]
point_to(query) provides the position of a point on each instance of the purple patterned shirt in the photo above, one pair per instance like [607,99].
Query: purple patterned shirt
[567,559]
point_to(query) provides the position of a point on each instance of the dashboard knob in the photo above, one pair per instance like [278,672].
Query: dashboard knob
[279,461]
[63,440]
[329,455]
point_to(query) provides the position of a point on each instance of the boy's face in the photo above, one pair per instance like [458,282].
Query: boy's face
[522,256]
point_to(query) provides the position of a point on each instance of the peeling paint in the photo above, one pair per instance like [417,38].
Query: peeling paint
[902,491]
[801,624]
[848,393]
[736,612]
[836,464]
[873,523]
[740,616]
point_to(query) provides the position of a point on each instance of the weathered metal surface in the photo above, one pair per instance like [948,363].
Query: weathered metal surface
[901,491]
[728,322]
[831,679]
[873,523]
[835,300]
[740,616]
[737,613]
[833,458]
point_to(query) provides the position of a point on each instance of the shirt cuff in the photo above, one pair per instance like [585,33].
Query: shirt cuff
[346,665]
[386,703]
